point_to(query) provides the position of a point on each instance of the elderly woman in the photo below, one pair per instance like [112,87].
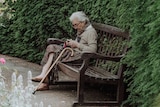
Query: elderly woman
[86,41]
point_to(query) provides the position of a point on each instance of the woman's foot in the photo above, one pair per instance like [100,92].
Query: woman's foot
[37,79]
[43,87]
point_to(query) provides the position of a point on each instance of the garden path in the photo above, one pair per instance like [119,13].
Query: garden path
[57,96]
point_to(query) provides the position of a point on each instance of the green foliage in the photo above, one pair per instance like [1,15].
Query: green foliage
[32,23]
[25,34]
[157,101]
[144,55]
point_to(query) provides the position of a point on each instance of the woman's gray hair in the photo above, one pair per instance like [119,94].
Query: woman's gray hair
[80,15]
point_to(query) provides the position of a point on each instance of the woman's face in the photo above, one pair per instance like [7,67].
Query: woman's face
[78,25]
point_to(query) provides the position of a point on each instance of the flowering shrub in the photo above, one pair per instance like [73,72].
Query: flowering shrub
[2,61]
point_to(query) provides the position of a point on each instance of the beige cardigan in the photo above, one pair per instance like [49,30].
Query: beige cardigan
[88,42]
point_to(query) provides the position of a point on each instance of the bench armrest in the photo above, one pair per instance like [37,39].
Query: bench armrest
[54,41]
[101,56]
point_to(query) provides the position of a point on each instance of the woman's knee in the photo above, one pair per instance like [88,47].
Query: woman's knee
[49,47]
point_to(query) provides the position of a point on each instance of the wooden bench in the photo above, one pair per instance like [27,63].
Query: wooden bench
[105,67]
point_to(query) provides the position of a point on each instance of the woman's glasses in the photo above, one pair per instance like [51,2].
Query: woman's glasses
[76,24]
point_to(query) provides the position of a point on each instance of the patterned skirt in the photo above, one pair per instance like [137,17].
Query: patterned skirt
[56,49]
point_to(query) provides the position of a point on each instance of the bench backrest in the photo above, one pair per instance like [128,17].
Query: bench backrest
[112,41]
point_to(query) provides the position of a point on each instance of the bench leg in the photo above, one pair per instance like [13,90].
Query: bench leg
[80,89]
[97,104]
[120,93]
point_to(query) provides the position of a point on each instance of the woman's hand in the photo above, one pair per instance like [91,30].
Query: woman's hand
[71,43]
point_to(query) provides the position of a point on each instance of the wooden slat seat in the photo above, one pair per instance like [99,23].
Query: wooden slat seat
[91,72]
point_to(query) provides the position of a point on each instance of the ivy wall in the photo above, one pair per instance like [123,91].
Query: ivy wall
[32,22]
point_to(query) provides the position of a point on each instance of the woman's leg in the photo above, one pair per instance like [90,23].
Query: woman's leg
[47,60]
[44,86]
[45,68]
[47,65]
